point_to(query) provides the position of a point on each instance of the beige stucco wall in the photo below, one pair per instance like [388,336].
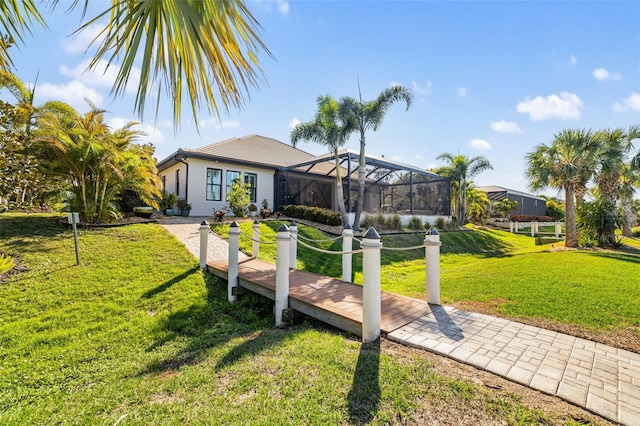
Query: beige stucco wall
[198,184]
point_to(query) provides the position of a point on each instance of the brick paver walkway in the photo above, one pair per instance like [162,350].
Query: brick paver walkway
[600,378]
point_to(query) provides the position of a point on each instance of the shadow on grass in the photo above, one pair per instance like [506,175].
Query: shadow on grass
[364,396]
[209,324]
[253,346]
[625,255]
[33,225]
[168,284]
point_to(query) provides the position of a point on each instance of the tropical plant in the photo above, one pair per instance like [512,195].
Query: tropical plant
[555,209]
[332,130]
[505,207]
[461,170]
[195,45]
[477,205]
[239,197]
[369,115]
[565,164]
[596,221]
[96,163]
[629,180]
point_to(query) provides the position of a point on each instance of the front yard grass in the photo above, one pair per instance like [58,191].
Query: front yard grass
[139,335]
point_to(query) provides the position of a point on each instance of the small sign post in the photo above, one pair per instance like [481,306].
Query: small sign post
[74,219]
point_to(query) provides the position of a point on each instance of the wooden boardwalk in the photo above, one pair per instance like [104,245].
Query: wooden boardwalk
[329,300]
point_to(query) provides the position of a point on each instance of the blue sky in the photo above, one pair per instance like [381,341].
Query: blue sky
[491,78]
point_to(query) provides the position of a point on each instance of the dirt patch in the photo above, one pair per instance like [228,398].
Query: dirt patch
[558,410]
[627,338]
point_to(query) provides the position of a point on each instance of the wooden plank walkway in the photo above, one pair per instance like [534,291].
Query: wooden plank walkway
[329,300]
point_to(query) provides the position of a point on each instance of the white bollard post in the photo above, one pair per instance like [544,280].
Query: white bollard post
[558,229]
[234,247]
[511,227]
[293,247]
[516,226]
[537,226]
[533,229]
[347,244]
[283,239]
[371,297]
[432,253]
[204,241]
[255,244]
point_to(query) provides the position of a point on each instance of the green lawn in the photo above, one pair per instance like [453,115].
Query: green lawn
[139,335]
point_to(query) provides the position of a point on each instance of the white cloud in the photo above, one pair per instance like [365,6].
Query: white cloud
[283,7]
[632,102]
[505,126]
[103,75]
[573,60]
[565,106]
[480,144]
[293,123]
[153,134]
[603,74]
[618,107]
[424,90]
[463,91]
[227,124]
[72,93]
[78,43]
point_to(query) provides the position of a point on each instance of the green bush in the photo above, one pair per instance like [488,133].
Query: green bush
[636,232]
[6,263]
[239,197]
[394,223]
[377,221]
[440,223]
[427,225]
[314,214]
[415,223]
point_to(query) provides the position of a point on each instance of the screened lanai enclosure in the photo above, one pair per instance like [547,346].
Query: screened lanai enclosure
[391,187]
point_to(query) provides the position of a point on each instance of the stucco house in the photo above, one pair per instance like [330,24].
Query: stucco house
[285,175]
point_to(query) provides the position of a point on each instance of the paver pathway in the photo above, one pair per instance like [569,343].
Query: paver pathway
[600,378]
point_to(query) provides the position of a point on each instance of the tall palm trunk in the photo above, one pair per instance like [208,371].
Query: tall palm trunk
[340,192]
[571,238]
[628,217]
[362,175]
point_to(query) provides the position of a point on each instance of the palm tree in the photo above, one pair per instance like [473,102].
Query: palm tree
[613,149]
[461,170]
[331,130]
[629,180]
[369,115]
[208,47]
[566,164]
[96,163]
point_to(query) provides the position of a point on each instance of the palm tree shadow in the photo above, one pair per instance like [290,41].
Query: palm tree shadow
[207,325]
[253,346]
[168,284]
[364,396]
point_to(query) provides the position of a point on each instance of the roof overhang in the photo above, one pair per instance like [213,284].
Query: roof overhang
[182,155]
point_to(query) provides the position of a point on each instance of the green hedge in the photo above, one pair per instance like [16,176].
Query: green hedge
[314,214]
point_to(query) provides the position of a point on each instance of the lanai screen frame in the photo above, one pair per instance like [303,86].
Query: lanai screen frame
[379,169]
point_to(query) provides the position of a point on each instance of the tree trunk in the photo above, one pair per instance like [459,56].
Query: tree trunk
[628,218]
[340,193]
[362,174]
[571,237]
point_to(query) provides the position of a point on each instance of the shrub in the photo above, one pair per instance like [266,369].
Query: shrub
[597,223]
[314,214]
[427,225]
[6,263]
[530,218]
[415,223]
[440,223]
[394,223]
[636,232]
[239,197]
[377,221]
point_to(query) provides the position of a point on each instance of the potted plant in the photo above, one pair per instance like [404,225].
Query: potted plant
[265,211]
[253,210]
[168,200]
[184,207]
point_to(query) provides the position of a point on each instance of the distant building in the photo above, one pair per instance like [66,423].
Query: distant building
[527,203]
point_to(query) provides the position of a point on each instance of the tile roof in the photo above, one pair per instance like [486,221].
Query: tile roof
[257,149]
